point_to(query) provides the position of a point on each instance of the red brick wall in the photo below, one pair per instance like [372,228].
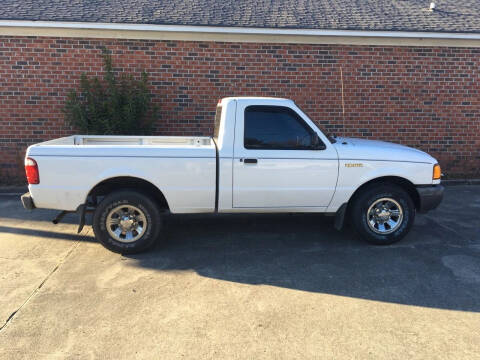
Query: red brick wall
[419,96]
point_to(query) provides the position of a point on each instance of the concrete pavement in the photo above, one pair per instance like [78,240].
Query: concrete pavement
[243,287]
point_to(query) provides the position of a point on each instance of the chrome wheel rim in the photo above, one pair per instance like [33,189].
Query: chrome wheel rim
[384,216]
[126,223]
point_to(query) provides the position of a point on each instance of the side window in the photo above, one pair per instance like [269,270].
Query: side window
[276,127]
[218,115]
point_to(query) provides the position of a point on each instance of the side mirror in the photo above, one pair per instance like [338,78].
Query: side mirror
[317,143]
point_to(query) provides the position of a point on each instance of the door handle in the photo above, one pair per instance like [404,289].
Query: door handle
[249,161]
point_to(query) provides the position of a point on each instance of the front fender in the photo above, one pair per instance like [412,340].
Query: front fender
[352,175]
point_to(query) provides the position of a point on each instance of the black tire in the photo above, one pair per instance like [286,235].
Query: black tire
[362,202]
[136,199]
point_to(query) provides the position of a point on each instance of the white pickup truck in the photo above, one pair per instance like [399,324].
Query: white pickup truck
[266,155]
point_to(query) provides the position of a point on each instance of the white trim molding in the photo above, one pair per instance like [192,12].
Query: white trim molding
[235,34]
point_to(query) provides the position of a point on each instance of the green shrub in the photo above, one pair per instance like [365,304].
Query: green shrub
[111,106]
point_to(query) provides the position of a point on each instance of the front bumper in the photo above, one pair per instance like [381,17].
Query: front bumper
[430,197]
[27,201]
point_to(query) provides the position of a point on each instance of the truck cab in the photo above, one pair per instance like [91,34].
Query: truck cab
[272,157]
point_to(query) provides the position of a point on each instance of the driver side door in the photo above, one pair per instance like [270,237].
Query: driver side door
[278,162]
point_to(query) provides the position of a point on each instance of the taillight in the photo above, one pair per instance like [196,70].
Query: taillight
[31,169]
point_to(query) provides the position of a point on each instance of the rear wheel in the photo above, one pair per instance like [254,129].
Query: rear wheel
[383,214]
[127,222]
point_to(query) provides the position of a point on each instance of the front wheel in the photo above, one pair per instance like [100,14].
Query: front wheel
[383,214]
[127,222]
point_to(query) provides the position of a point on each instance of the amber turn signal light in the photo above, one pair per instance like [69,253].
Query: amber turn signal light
[437,172]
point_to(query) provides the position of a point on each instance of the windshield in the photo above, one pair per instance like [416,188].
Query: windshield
[330,137]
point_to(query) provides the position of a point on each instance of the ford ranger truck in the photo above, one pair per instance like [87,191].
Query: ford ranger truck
[265,156]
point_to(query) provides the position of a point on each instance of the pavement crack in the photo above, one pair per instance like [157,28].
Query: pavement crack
[35,291]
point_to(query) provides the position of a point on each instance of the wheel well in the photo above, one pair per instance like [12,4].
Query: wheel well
[403,183]
[127,182]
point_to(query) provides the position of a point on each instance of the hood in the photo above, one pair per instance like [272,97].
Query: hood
[360,149]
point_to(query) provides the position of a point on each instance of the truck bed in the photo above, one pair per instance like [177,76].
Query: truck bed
[130,140]
[183,167]
[130,146]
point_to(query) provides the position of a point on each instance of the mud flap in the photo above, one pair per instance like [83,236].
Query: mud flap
[340,217]
[81,215]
